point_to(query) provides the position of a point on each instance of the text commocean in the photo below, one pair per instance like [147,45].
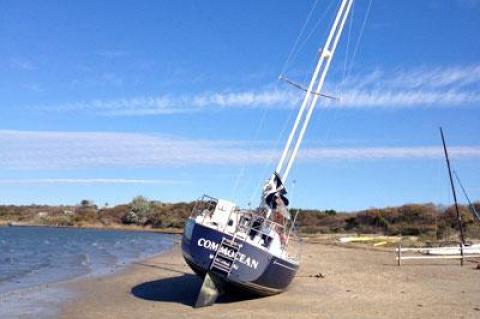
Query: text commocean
[242,258]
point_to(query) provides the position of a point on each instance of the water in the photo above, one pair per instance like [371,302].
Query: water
[32,257]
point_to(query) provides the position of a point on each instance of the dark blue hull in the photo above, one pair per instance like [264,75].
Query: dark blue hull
[255,270]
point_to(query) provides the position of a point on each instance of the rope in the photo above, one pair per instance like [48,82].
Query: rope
[471,206]
[309,36]
[294,54]
[347,50]
[329,126]
[298,37]
[296,48]
[322,17]
[362,29]
[348,66]
[269,164]
[291,54]
[242,170]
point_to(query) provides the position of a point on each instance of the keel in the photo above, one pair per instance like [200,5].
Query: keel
[209,292]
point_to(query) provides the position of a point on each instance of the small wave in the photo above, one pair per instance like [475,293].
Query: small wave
[85,260]
[8,260]
[42,256]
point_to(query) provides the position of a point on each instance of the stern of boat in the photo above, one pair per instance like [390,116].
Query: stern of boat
[219,239]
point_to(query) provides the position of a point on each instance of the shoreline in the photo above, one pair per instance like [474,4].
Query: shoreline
[117,227]
[46,300]
[354,284]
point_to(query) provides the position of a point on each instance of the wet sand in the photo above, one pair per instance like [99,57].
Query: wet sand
[358,283]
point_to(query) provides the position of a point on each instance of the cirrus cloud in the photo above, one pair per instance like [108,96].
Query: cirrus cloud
[426,87]
[70,150]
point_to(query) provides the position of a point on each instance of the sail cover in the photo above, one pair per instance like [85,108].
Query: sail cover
[274,195]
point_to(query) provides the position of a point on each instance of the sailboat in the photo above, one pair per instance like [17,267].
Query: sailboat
[256,251]
[463,248]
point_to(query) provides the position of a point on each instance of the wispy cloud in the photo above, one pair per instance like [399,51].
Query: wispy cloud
[452,77]
[172,104]
[397,99]
[34,87]
[420,87]
[427,87]
[105,79]
[22,64]
[31,150]
[88,181]
[66,150]
[457,76]
[111,54]
[373,153]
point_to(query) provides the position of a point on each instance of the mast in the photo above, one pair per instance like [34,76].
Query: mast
[459,218]
[313,91]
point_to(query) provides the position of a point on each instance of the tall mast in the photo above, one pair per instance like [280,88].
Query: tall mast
[313,90]
[459,217]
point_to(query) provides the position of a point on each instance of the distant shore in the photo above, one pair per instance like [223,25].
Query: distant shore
[117,227]
[427,221]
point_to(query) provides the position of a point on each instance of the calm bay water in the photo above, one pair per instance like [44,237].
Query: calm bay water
[31,256]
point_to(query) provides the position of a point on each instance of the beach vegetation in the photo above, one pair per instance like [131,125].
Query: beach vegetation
[428,221]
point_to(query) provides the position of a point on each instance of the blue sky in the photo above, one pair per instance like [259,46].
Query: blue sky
[171,99]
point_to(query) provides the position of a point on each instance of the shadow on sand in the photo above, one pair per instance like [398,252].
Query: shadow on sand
[180,289]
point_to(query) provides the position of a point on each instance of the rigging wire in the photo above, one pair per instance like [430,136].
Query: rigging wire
[349,61]
[471,206]
[267,166]
[308,114]
[283,69]
[295,50]
[242,170]
[362,29]
[314,28]
[306,39]
[329,126]
[347,49]
[336,111]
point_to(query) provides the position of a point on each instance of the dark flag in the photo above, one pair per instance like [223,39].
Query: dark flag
[274,195]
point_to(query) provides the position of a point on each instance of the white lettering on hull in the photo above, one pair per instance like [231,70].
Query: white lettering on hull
[242,258]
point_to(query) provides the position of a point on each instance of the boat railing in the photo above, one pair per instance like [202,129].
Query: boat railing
[294,245]
[255,224]
[204,206]
[250,225]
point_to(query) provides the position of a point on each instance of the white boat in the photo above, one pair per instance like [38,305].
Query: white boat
[453,250]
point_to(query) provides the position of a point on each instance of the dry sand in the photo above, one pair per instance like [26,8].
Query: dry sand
[358,283]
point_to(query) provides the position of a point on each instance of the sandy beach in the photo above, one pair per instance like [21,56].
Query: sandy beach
[357,283]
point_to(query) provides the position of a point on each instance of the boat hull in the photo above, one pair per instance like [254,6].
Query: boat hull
[255,270]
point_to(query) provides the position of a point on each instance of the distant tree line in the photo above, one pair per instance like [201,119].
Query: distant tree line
[429,220]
